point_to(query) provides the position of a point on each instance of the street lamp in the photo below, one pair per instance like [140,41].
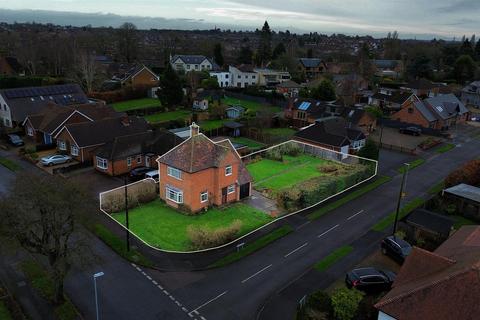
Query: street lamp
[400,196]
[95,276]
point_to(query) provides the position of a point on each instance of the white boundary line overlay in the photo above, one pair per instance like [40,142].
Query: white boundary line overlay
[208,302]
[261,227]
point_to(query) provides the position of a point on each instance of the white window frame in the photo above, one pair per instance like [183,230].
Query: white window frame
[174,195]
[228,170]
[102,163]
[74,151]
[203,196]
[139,159]
[231,189]
[129,161]
[30,131]
[174,173]
[62,145]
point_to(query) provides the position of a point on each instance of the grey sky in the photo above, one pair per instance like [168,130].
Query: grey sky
[446,18]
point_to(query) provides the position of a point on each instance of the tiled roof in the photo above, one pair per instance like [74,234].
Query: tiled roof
[465,191]
[421,84]
[310,62]
[431,221]
[425,111]
[446,106]
[331,132]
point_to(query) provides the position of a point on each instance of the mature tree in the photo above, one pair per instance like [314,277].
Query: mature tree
[41,215]
[171,92]
[279,50]
[245,55]
[421,67]
[345,303]
[310,53]
[467,48]
[86,70]
[218,54]
[325,91]
[464,69]
[128,41]
[369,151]
[210,83]
[264,53]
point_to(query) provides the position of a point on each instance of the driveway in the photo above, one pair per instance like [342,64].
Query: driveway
[392,137]
[260,202]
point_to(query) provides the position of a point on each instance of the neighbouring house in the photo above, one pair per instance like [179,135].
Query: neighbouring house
[42,127]
[181,132]
[440,285]
[427,226]
[312,68]
[125,153]
[303,112]
[188,63]
[9,66]
[80,140]
[243,76]
[471,94]
[466,199]
[234,112]
[440,112]
[348,87]
[138,76]
[200,102]
[270,77]
[423,88]
[199,173]
[358,118]
[332,133]
[391,100]
[289,88]
[16,104]
[223,78]
[388,68]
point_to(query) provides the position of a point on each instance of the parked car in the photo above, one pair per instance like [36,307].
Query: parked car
[55,159]
[153,174]
[396,248]
[15,140]
[414,131]
[370,279]
[138,173]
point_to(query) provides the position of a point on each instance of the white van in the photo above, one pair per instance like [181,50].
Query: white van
[152,174]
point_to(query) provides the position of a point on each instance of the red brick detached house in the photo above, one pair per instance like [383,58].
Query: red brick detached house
[80,140]
[138,77]
[126,153]
[439,112]
[199,173]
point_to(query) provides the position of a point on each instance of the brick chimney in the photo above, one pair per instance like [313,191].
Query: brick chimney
[125,121]
[194,129]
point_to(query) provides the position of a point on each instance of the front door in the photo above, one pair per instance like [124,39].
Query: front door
[147,161]
[224,195]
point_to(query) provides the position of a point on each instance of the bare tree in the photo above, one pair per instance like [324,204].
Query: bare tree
[41,214]
[87,70]
[128,41]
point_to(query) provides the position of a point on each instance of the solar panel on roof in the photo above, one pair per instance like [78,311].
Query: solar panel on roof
[304,106]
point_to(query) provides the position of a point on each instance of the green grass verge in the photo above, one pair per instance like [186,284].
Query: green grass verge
[406,209]
[164,227]
[4,313]
[333,257]
[136,104]
[349,197]
[462,221]
[119,246]
[413,165]
[445,148]
[436,188]
[168,116]
[254,246]
[9,164]
[43,284]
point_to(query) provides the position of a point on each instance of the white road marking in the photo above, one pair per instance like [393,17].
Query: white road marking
[291,252]
[203,318]
[209,301]
[303,225]
[332,228]
[356,214]
[154,282]
[184,309]
[256,273]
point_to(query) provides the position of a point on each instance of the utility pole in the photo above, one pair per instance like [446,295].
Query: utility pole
[126,215]
[400,196]
[95,276]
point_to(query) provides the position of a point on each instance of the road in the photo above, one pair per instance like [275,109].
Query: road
[238,291]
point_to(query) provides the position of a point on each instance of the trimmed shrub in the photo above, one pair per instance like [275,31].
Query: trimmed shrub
[139,193]
[345,303]
[203,237]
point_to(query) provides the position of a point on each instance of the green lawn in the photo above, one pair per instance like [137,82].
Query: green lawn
[136,104]
[252,144]
[164,227]
[281,132]
[4,313]
[445,148]
[252,106]
[9,164]
[413,165]
[333,257]
[168,116]
[276,175]
[208,125]
[437,188]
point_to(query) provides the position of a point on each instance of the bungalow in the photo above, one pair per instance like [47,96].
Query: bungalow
[311,68]
[392,100]
[439,112]
[138,76]
[304,112]
[81,140]
[332,133]
[199,173]
[16,104]
[441,285]
[234,112]
[125,153]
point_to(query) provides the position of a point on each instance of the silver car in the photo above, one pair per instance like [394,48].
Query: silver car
[55,159]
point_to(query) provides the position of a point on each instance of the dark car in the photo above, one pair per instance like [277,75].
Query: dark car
[138,173]
[369,279]
[15,140]
[396,248]
[414,131]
